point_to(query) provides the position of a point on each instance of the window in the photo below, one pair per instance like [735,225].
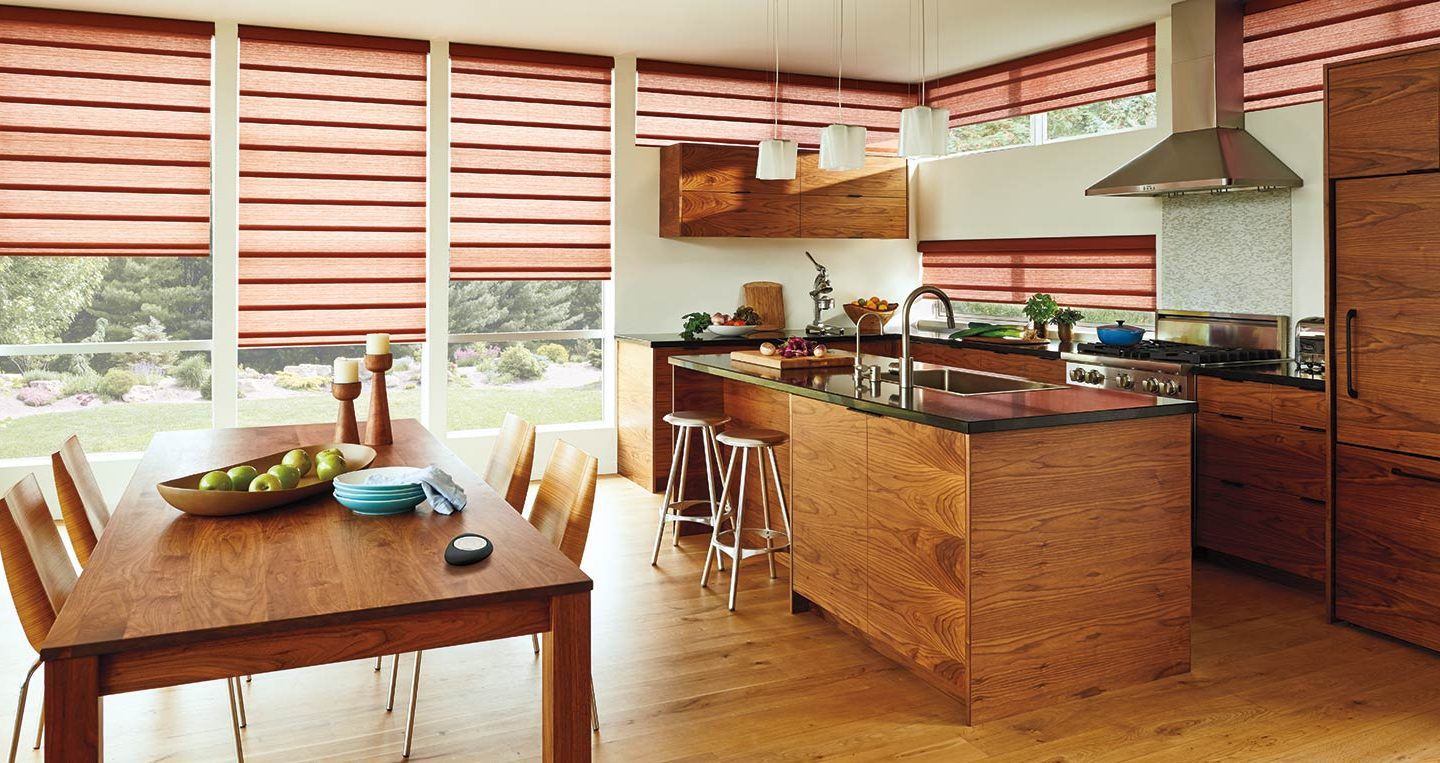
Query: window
[291,385]
[105,272]
[1098,274]
[1134,112]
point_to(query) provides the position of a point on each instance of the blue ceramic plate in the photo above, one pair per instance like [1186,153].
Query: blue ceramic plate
[379,507]
[371,492]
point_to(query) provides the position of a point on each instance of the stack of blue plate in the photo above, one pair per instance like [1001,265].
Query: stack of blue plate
[353,492]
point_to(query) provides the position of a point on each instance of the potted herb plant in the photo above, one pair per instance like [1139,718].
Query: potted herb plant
[1065,320]
[1040,309]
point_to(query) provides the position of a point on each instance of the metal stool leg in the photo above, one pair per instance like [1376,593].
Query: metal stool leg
[377,664]
[535,642]
[710,551]
[667,498]
[394,674]
[40,732]
[20,709]
[240,700]
[684,476]
[594,711]
[712,473]
[233,688]
[784,508]
[414,695]
[765,508]
[739,526]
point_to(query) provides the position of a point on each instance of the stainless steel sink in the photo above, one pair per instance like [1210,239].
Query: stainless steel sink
[960,382]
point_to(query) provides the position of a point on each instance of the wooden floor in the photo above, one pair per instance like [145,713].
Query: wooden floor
[679,678]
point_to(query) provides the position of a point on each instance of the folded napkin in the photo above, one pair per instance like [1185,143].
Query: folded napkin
[440,489]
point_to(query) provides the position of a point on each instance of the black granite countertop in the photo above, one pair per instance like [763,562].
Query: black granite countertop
[992,412]
[707,339]
[1286,372]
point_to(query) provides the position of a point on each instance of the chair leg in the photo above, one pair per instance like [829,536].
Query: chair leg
[710,551]
[232,687]
[20,710]
[40,732]
[377,663]
[414,695]
[535,642]
[668,497]
[739,529]
[394,674]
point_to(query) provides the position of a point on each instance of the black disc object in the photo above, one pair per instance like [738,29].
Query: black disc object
[468,548]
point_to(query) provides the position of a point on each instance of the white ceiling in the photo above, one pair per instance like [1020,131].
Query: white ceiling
[970,33]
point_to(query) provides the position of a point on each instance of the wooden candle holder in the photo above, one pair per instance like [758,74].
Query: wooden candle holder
[346,429]
[377,426]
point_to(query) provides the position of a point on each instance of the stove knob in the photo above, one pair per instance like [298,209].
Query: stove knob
[1125,381]
[1151,385]
[1094,377]
[1077,375]
[1172,388]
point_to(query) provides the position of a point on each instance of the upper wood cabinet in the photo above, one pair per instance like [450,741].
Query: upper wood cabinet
[710,190]
[1383,115]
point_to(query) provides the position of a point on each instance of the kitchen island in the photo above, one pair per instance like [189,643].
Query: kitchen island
[1015,549]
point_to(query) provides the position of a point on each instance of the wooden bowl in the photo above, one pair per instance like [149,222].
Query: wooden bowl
[183,493]
[856,312]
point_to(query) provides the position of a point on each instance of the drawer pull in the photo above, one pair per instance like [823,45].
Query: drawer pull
[1350,316]
[1321,430]
[1315,501]
[1398,472]
[1232,483]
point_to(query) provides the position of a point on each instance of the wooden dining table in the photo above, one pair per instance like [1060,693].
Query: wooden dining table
[169,598]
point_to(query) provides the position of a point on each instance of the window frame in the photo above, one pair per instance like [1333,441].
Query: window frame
[1040,129]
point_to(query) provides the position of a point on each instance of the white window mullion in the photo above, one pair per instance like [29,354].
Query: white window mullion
[434,371]
[224,224]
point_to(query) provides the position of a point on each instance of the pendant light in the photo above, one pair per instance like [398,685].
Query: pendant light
[777,157]
[924,131]
[842,146]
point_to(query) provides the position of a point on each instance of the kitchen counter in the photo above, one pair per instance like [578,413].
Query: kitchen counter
[1287,373]
[1053,349]
[990,412]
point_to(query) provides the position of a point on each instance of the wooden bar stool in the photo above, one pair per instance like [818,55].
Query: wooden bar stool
[739,541]
[674,508]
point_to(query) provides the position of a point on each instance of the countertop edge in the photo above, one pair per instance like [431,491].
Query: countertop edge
[1050,352]
[1242,373]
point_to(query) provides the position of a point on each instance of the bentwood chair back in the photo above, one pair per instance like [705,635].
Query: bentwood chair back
[81,503]
[511,460]
[38,571]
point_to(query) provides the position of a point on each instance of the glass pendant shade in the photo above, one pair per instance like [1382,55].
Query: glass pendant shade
[924,131]
[842,147]
[776,160]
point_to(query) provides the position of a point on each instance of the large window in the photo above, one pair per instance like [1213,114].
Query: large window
[291,385]
[1134,112]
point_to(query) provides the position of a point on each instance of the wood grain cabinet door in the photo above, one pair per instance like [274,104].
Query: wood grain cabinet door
[1262,454]
[1283,531]
[1384,116]
[713,213]
[829,507]
[1387,332]
[1387,543]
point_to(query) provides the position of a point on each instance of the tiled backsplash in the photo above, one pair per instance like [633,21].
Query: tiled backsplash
[1228,252]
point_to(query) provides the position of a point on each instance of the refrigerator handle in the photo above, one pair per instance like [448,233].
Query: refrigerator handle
[1350,316]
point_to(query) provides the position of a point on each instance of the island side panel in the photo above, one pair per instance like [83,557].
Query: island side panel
[919,549]
[1079,561]
[635,405]
[829,508]
[753,406]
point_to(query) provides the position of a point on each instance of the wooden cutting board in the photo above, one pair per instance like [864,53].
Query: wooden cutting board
[1005,340]
[768,299]
[832,358]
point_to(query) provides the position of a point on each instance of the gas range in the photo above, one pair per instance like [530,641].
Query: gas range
[1184,341]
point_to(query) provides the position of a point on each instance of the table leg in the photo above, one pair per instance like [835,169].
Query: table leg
[72,710]
[566,695]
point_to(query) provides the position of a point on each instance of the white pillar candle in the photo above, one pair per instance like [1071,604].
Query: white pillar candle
[347,370]
[377,344]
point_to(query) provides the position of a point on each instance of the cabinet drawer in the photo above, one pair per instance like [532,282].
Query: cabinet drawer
[1282,531]
[1279,457]
[1387,541]
[1383,116]
[705,213]
[1248,399]
[1301,407]
[881,176]
[725,169]
[854,217]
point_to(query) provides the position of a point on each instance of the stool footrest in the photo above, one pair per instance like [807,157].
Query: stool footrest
[676,512]
[724,542]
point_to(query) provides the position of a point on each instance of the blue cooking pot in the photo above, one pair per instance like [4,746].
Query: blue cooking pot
[1120,334]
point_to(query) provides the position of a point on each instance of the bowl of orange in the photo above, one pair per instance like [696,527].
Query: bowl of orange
[859,308]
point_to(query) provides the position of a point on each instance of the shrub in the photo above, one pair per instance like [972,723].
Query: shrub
[298,383]
[466,356]
[517,364]
[553,352]
[205,388]
[595,358]
[192,372]
[39,374]
[79,384]
[115,383]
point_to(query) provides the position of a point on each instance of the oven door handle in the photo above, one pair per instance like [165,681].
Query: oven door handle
[1350,316]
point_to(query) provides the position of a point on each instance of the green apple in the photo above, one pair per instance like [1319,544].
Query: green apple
[330,468]
[241,476]
[300,460]
[216,481]
[288,475]
[265,483]
[329,452]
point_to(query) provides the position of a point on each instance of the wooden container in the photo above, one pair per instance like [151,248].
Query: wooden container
[346,428]
[856,312]
[184,494]
[377,425]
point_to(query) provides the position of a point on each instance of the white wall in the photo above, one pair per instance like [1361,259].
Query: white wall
[657,280]
[1296,134]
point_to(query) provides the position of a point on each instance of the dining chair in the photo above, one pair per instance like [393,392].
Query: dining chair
[561,512]
[81,503]
[508,472]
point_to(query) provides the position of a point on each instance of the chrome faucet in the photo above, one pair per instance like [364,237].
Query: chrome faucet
[863,372]
[907,364]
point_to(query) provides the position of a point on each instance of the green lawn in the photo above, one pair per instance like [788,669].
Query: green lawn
[127,428]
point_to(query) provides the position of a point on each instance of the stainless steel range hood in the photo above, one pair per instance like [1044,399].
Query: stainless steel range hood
[1209,149]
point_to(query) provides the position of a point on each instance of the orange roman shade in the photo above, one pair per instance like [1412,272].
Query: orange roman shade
[1289,42]
[1114,66]
[1116,272]
[332,187]
[688,103]
[530,147]
[104,134]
